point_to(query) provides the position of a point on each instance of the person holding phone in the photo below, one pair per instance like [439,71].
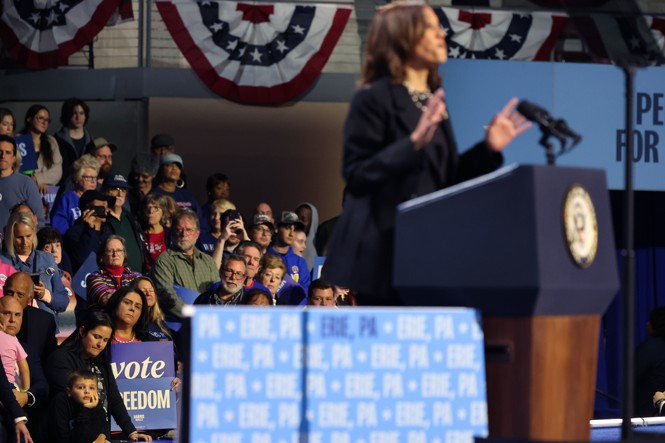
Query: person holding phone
[233,232]
[90,230]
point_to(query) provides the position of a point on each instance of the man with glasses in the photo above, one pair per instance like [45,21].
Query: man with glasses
[230,290]
[183,267]
[124,224]
[103,151]
[261,231]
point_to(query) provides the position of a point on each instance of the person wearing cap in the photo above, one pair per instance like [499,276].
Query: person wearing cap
[261,231]
[90,230]
[65,208]
[296,266]
[14,186]
[123,223]
[103,152]
[170,182]
[141,176]
[161,145]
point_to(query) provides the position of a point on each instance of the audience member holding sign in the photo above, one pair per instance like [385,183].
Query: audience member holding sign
[85,349]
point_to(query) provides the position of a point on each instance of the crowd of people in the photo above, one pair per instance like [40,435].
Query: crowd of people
[141,247]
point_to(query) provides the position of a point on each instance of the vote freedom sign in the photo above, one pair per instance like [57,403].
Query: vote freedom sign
[144,372]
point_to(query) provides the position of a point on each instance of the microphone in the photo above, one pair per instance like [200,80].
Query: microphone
[538,115]
[562,127]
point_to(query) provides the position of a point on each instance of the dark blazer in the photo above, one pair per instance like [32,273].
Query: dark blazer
[38,330]
[382,169]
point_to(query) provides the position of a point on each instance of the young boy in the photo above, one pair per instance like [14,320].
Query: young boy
[13,356]
[76,415]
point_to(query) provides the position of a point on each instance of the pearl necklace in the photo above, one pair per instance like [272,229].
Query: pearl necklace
[419,99]
[122,340]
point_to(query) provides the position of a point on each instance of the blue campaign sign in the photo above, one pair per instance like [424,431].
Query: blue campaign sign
[78,281]
[589,97]
[337,375]
[144,372]
[26,148]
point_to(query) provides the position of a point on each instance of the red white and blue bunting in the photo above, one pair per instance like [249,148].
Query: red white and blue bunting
[255,53]
[42,34]
[500,35]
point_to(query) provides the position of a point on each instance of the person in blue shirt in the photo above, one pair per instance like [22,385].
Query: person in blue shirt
[296,266]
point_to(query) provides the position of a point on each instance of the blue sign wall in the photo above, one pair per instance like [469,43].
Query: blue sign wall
[589,97]
[275,375]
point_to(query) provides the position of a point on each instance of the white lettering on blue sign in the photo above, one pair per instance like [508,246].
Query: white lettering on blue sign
[393,385]
[467,384]
[416,437]
[133,369]
[316,385]
[282,385]
[442,414]
[359,385]
[254,415]
[410,413]
[235,385]
[459,437]
[207,416]
[256,326]
[342,356]
[478,413]
[366,415]
[444,327]
[418,356]
[334,415]
[227,437]
[412,327]
[229,356]
[461,356]
[263,356]
[209,326]
[384,437]
[204,385]
[290,327]
[386,356]
[146,399]
[288,415]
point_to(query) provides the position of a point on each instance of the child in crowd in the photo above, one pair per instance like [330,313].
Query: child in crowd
[77,416]
[14,357]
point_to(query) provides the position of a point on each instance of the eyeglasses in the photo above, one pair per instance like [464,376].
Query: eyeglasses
[261,230]
[40,118]
[89,178]
[236,275]
[151,209]
[118,190]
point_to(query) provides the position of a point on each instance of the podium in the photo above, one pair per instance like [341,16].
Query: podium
[531,247]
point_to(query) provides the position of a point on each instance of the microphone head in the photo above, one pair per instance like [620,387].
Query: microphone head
[532,112]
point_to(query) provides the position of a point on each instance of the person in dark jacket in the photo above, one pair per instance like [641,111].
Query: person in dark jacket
[398,144]
[86,349]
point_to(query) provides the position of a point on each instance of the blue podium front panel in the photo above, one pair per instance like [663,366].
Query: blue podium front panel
[280,375]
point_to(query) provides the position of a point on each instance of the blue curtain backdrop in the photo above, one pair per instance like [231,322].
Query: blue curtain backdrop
[649,291]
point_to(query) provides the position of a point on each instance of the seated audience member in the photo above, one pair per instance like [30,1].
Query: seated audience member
[309,216]
[13,356]
[65,208]
[128,310]
[299,243]
[33,399]
[123,223]
[18,429]
[264,208]
[183,264]
[154,216]
[73,136]
[233,232]
[141,176]
[113,272]
[257,297]
[320,293]
[103,151]
[86,348]
[251,252]
[650,363]
[271,274]
[157,327]
[90,230]
[218,187]
[49,160]
[15,187]
[230,291]
[281,246]
[7,122]
[37,328]
[212,231]
[21,241]
[170,182]
[261,231]
[76,415]
[49,240]
[161,145]
[5,271]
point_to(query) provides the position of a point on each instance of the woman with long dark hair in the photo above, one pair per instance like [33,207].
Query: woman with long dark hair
[49,160]
[399,144]
[73,136]
[86,349]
